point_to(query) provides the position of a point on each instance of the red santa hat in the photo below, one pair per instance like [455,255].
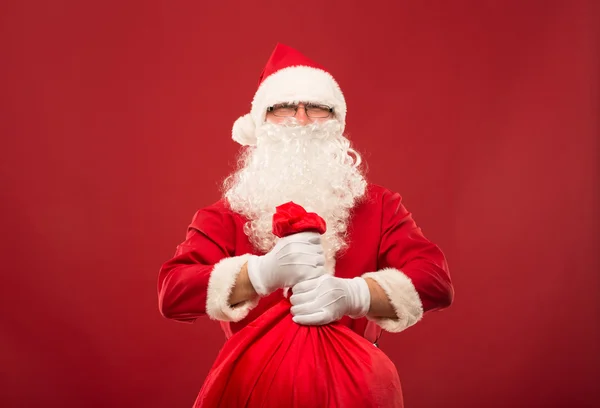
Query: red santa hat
[289,77]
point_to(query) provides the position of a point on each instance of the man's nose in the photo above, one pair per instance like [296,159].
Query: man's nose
[301,115]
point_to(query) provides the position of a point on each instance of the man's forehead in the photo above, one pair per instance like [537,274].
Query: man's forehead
[298,102]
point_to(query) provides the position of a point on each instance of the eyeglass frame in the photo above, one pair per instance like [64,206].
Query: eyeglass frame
[296,106]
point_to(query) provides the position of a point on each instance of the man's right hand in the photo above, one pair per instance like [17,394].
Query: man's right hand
[293,259]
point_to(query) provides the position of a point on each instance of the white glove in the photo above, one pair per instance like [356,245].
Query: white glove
[293,259]
[326,299]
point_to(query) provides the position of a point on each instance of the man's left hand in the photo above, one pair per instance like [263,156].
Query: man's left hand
[326,299]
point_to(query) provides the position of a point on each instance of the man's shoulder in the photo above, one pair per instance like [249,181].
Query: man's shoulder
[377,193]
[218,207]
[219,212]
[377,200]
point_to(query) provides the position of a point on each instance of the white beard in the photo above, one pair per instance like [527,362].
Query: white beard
[313,166]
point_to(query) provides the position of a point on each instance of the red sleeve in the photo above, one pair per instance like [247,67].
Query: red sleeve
[183,280]
[404,247]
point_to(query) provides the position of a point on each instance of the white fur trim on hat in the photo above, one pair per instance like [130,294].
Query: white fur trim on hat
[244,130]
[402,295]
[220,284]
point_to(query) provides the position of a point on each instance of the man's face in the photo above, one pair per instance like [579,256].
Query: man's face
[305,113]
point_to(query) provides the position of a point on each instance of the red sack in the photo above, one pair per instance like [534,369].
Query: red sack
[274,362]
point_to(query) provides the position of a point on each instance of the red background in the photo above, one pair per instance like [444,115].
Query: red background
[115,127]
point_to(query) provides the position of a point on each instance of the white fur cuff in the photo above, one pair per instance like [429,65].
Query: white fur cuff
[403,297]
[221,282]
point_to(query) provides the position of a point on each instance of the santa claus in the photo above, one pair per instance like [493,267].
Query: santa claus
[373,269]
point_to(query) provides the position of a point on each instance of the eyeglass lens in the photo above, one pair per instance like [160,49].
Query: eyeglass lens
[312,111]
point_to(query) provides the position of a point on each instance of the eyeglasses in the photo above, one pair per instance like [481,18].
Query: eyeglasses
[312,110]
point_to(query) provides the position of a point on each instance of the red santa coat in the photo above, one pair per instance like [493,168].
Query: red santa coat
[385,244]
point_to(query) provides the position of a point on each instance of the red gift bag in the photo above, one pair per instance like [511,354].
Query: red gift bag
[275,363]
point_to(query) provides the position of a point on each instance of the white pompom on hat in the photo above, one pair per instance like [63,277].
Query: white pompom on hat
[289,77]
